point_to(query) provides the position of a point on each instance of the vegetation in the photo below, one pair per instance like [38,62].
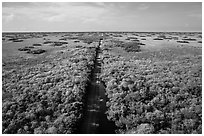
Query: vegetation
[18,40]
[128,46]
[189,39]
[30,49]
[154,95]
[47,97]
[131,38]
[59,43]
[182,41]
[37,44]
[26,48]
[47,42]
[132,47]
[158,39]
[150,90]
[36,51]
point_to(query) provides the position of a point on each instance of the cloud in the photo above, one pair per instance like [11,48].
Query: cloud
[29,4]
[7,17]
[90,4]
[55,18]
[196,15]
[143,7]
[98,15]
[56,12]
[90,20]
[16,4]
[186,25]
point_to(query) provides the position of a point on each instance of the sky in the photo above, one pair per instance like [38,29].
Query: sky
[102,16]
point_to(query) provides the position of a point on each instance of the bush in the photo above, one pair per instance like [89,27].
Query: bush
[47,42]
[153,96]
[17,40]
[59,43]
[189,39]
[48,97]
[26,48]
[37,44]
[36,51]
[132,47]
[182,41]
[158,39]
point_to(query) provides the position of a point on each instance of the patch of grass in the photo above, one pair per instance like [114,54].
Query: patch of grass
[54,43]
[59,43]
[175,38]
[182,41]
[117,35]
[12,39]
[27,48]
[36,51]
[189,39]
[37,44]
[47,42]
[130,38]
[141,43]
[18,40]
[158,39]
[135,40]
[90,39]
[132,47]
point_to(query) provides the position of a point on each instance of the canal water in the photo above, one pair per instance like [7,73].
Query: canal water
[95,120]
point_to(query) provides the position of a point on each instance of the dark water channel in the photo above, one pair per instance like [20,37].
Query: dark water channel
[95,120]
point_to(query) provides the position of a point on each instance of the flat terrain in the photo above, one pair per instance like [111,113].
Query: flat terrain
[64,83]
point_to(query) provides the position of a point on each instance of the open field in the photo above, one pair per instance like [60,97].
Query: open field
[138,82]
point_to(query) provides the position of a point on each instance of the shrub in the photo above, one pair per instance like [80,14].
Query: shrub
[182,41]
[47,42]
[26,48]
[36,51]
[158,39]
[37,44]
[17,40]
[153,95]
[189,39]
[59,43]
[132,47]
[48,97]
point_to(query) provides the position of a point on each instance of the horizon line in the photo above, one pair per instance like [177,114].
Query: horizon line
[94,31]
